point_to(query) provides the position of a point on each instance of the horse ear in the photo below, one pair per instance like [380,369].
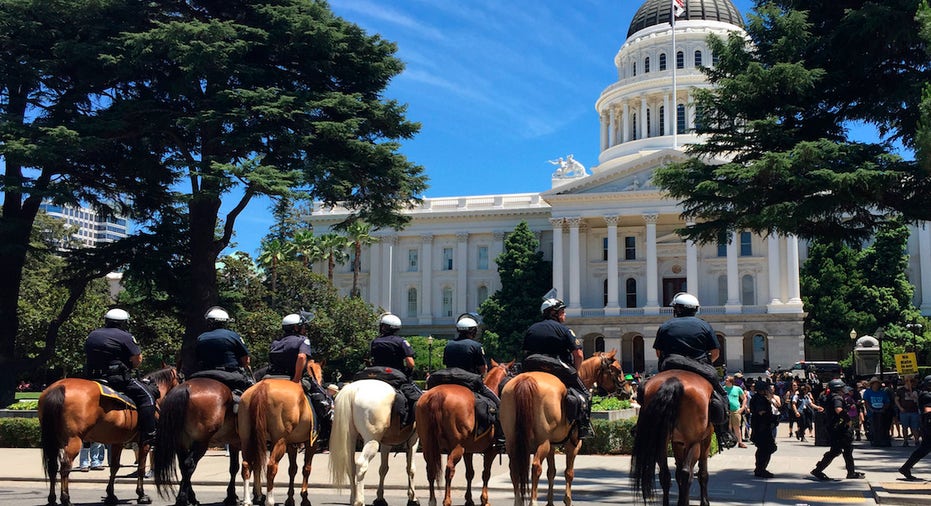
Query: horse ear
[611,353]
[493,363]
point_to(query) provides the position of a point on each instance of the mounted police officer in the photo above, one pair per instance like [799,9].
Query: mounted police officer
[221,353]
[465,352]
[393,351]
[689,343]
[840,434]
[112,353]
[552,338]
[924,412]
[291,356]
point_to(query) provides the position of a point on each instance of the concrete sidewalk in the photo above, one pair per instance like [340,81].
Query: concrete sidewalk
[731,482]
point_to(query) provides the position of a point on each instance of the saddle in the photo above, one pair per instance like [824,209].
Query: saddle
[225,377]
[574,403]
[407,392]
[486,410]
[110,393]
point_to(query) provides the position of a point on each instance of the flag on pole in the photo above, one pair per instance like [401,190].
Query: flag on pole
[678,7]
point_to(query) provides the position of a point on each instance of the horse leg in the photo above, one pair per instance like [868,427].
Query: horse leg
[411,467]
[231,499]
[309,451]
[186,465]
[685,463]
[487,462]
[141,498]
[369,449]
[455,455]
[271,469]
[292,472]
[246,474]
[572,450]
[470,474]
[550,475]
[536,470]
[665,479]
[382,472]
[703,471]
[70,451]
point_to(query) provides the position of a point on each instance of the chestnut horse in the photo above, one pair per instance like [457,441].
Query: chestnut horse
[446,423]
[276,411]
[194,416]
[534,422]
[72,410]
[675,410]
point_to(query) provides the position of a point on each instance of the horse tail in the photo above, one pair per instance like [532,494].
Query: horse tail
[171,420]
[253,449]
[429,430]
[655,424]
[53,412]
[525,393]
[343,437]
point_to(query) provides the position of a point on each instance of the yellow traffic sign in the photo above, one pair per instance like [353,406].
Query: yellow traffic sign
[906,363]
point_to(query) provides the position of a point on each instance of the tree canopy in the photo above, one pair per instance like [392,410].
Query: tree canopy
[778,155]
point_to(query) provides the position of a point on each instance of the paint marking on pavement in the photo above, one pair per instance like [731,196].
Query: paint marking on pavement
[821,496]
[912,487]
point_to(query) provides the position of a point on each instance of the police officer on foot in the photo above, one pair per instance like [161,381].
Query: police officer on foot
[691,341]
[553,338]
[465,352]
[924,412]
[291,356]
[840,434]
[223,352]
[391,350]
[764,416]
[112,353]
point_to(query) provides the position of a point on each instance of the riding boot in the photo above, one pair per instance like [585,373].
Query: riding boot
[237,394]
[726,438]
[499,435]
[146,424]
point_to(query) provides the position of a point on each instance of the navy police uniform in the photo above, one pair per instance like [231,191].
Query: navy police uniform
[219,351]
[109,351]
[763,422]
[840,436]
[924,408]
[390,351]
[282,358]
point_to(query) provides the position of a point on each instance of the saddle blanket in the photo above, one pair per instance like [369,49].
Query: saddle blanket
[106,391]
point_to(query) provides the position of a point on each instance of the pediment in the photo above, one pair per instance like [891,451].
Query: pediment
[632,175]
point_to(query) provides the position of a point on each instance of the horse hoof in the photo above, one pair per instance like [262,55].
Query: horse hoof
[413,502]
[289,502]
[379,502]
[111,500]
[231,501]
[144,499]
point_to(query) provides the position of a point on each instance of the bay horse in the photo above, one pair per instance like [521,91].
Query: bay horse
[72,410]
[675,410]
[363,410]
[446,423]
[276,411]
[194,416]
[534,422]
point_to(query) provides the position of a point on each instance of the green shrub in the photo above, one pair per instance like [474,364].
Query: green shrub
[617,438]
[19,433]
[24,405]
[608,403]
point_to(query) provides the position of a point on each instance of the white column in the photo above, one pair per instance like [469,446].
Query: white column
[732,305]
[689,111]
[691,265]
[612,130]
[792,274]
[924,265]
[625,122]
[612,307]
[462,272]
[575,304]
[390,242]
[643,118]
[775,277]
[375,272]
[426,279]
[557,256]
[652,305]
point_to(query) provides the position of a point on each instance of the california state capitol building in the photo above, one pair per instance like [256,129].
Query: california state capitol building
[608,230]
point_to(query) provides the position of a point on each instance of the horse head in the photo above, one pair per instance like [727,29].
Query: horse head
[497,374]
[610,375]
[315,369]
[165,379]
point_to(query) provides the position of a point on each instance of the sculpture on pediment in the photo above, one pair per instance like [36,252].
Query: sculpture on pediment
[568,167]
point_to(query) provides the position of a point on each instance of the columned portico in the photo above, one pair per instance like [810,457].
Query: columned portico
[462,271]
[557,255]
[795,296]
[773,261]
[652,305]
[733,279]
[426,286]
[390,242]
[575,303]
[924,264]
[611,308]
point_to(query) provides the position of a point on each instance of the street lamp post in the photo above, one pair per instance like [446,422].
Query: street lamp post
[429,354]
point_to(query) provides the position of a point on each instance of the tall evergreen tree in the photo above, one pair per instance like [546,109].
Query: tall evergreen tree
[525,278]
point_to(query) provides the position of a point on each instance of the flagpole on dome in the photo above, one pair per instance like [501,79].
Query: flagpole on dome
[677,8]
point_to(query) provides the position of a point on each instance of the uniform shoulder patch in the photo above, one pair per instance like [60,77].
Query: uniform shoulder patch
[134,339]
[405,342]
[571,332]
[307,341]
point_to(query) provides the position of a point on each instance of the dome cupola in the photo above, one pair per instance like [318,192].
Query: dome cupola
[656,12]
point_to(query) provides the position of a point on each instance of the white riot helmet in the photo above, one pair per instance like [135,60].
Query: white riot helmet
[217,314]
[292,320]
[466,323]
[684,304]
[389,320]
[551,306]
[116,315]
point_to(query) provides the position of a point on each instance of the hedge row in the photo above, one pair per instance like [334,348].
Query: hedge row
[19,433]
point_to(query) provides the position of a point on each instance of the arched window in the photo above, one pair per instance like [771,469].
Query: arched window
[662,62]
[630,287]
[714,60]
[747,292]
[482,294]
[649,132]
[722,290]
[697,58]
[599,344]
[646,65]
[447,301]
[680,60]
[680,119]
[411,302]
[633,126]
[662,120]
[633,69]
[604,292]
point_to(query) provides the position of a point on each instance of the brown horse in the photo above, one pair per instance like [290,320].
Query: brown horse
[534,422]
[194,416]
[445,417]
[72,410]
[675,410]
[276,411]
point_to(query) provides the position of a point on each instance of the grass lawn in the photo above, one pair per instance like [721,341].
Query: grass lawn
[27,395]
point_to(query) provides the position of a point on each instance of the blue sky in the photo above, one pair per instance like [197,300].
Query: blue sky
[499,87]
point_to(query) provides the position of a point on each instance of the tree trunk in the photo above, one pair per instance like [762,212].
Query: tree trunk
[203,209]
[356,267]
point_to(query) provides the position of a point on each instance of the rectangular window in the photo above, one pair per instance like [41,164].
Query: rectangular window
[447,301]
[447,259]
[604,249]
[722,245]
[746,244]
[412,260]
[411,302]
[630,248]
[482,258]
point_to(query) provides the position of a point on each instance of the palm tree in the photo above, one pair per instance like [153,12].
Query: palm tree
[274,251]
[307,247]
[359,236]
[333,247]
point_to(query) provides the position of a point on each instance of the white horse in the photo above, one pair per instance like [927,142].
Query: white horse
[363,409]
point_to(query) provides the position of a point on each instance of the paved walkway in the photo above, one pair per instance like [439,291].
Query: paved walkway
[731,482]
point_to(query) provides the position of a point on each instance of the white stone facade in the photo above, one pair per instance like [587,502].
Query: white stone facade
[610,234]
